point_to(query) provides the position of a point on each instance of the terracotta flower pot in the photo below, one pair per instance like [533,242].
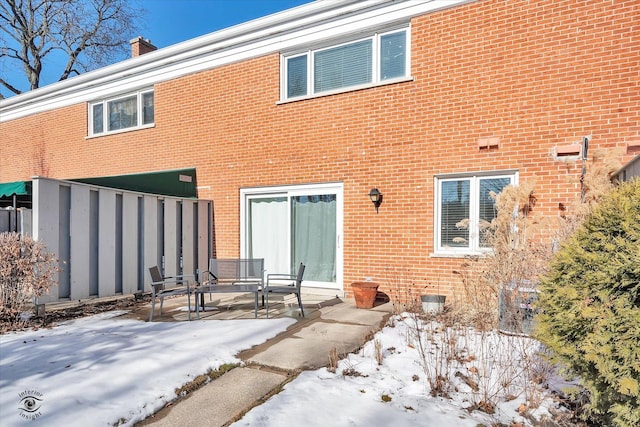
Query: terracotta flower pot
[364,293]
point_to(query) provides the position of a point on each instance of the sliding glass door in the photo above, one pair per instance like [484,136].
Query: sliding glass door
[290,225]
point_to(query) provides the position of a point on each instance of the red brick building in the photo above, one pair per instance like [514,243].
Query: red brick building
[291,120]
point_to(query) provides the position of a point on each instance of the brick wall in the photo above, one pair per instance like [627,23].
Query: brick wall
[535,74]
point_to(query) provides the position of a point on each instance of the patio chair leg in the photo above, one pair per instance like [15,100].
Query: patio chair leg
[300,305]
[198,305]
[153,307]
[267,298]
[255,306]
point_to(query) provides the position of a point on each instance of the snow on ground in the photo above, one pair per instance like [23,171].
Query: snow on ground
[362,392]
[103,369]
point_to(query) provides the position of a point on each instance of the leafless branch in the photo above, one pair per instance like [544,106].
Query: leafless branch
[10,87]
[87,33]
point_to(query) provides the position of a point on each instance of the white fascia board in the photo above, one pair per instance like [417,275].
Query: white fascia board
[302,25]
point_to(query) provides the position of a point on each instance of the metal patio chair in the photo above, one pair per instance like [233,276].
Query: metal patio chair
[284,284]
[162,287]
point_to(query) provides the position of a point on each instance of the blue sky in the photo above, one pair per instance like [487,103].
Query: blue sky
[173,21]
[167,22]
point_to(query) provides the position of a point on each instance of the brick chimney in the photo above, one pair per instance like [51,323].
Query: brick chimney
[140,46]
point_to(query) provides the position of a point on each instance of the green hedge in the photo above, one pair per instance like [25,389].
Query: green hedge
[590,302]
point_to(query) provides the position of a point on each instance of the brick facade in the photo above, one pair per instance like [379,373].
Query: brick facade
[531,74]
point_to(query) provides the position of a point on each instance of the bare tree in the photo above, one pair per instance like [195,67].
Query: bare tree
[72,35]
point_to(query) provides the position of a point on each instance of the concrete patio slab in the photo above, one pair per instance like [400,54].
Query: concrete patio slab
[329,323]
[310,348]
[220,401]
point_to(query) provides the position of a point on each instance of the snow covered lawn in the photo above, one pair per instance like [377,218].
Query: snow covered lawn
[396,392]
[101,369]
[104,370]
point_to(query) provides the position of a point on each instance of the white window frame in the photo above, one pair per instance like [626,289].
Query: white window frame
[375,69]
[474,247]
[105,113]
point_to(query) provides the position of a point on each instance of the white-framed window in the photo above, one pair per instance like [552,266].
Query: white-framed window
[464,207]
[368,61]
[123,112]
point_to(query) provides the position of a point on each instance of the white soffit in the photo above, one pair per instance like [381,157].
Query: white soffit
[302,25]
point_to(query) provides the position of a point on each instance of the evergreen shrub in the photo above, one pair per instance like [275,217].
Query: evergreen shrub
[590,303]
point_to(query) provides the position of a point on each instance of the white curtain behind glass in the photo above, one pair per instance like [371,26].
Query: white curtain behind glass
[123,113]
[269,231]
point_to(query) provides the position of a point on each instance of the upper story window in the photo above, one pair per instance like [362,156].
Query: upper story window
[125,112]
[377,59]
[464,207]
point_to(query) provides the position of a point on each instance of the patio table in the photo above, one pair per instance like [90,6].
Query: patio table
[237,287]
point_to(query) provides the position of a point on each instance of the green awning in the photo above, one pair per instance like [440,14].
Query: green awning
[19,188]
[177,183]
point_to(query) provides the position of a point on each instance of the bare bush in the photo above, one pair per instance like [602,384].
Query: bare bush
[402,283]
[500,288]
[439,347]
[485,366]
[333,360]
[462,349]
[522,244]
[378,352]
[505,367]
[595,184]
[27,271]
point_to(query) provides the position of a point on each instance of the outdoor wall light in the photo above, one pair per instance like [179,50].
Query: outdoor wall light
[376,198]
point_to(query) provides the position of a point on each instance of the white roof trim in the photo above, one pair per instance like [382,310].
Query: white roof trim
[306,24]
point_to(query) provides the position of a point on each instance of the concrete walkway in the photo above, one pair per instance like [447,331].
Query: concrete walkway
[331,324]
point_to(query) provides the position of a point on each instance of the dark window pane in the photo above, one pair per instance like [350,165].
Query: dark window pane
[98,118]
[147,108]
[454,214]
[489,187]
[297,76]
[393,50]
